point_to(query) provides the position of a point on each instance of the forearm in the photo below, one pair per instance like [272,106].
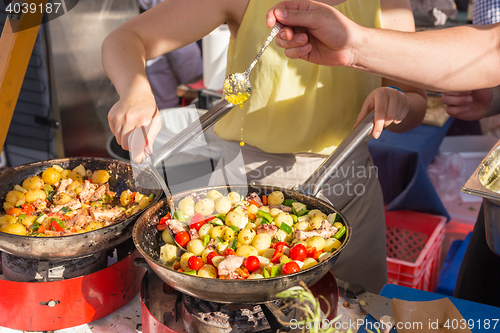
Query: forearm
[124,60]
[456,59]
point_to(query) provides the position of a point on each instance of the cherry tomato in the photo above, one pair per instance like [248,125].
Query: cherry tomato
[290,267]
[228,252]
[195,263]
[210,256]
[197,221]
[165,218]
[182,238]
[298,252]
[252,263]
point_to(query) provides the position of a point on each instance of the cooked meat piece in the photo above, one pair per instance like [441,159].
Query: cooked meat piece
[255,197]
[326,231]
[82,219]
[100,214]
[175,225]
[283,208]
[64,185]
[269,229]
[99,192]
[73,204]
[193,234]
[230,264]
[87,191]
[40,205]
[210,244]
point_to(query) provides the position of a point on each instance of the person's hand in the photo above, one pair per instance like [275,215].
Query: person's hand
[314,32]
[389,105]
[469,105]
[134,120]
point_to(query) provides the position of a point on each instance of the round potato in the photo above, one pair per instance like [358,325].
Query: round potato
[275,211]
[14,228]
[316,212]
[233,218]
[187,206]
[276,198]
[332,244]
[246,236]
[207,271]
[265,209]
[261,242]
[214,194]
[14,196]
[145,201]
[246,251]
[7,219]
[195,246]
[308,262]
[99,177]
[283,218]
[253,209]
[65,174]
[33,195]
[125,197]
[205,253]
[61,198]
[234,197]
[301,226]
[184,261]
[316,241]
[51,176]
[205,206]
[222,205]
[316,221]
[229,234]
[33,183]
[217,231]
[204,229]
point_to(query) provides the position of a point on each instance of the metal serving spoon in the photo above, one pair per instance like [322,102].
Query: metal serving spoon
[237,87]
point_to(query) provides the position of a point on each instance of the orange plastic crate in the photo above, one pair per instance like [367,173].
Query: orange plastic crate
[414,248]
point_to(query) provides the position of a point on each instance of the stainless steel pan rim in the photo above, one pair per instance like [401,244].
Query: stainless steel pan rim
[77,245]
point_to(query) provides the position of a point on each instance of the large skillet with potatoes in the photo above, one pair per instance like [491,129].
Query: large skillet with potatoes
[148,240]
[81,242]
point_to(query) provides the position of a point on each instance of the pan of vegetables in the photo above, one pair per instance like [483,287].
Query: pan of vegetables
[245,244]
[72,207]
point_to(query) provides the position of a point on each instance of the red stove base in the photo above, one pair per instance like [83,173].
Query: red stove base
[46,306]
[327,287]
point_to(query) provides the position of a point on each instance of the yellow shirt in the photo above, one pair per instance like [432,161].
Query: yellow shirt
[295,106]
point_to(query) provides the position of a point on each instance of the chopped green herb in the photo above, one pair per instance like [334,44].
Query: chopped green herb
[220,217]
[235,229]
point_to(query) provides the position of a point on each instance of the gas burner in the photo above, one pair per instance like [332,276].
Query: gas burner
[165,310]
[205,316]
[32,270]
[87,293]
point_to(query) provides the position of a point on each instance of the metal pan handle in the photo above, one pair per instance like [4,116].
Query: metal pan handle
[327,169]
[192,131]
